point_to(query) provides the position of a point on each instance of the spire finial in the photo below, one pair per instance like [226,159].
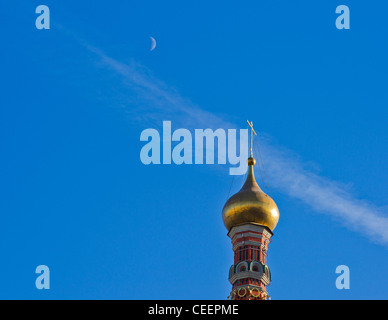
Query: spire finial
[252,131]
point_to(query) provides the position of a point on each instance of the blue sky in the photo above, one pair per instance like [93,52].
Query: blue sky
[76,197]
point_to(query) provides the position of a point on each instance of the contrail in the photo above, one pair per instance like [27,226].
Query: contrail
[285,171]
[287,175]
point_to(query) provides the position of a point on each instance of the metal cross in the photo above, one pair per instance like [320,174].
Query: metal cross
[252,131]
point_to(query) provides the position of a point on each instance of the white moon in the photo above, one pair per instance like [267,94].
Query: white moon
[153,44]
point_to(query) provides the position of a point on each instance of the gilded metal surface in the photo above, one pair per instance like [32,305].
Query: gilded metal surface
[250,205]
[249,293]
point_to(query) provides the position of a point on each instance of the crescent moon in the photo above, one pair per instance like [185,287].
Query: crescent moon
[153,44]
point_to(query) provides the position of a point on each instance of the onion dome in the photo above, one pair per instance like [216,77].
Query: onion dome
[250,205]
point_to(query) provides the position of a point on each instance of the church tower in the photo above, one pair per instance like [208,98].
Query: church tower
[250,216]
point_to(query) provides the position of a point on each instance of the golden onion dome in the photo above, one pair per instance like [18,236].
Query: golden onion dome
[250,205]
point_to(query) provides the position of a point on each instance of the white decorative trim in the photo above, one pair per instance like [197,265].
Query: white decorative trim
[250,274]
[246,243]
[240,264]
[256,263]
[231,271]
[249,227]
[249,234]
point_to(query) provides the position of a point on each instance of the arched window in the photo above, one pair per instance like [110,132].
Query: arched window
[242,266]
[231,271]
[256,266]
[267,272]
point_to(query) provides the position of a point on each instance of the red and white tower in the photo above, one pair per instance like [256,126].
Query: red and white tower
[250,217]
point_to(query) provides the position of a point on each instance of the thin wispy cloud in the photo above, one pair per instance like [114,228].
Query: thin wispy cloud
[163,99]
[285,172]
[288,175]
